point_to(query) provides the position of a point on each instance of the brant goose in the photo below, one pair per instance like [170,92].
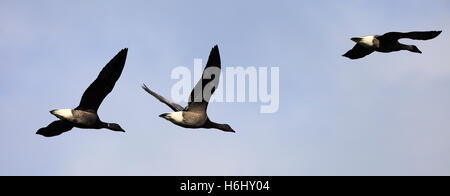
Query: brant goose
[85,115]
[387,43]
[194,115]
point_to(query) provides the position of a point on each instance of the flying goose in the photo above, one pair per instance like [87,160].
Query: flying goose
[194,115]
[85,115]
[387,43]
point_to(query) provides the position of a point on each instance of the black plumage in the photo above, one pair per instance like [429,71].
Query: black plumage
[194,114]
[389,42]
[85,115]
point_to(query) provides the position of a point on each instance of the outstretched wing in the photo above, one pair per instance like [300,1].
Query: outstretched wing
[55,128]
[103,85]
[417,35]
[205,87]
[357,52]
[175,107]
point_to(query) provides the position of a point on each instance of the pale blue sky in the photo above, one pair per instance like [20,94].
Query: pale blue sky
[386,114]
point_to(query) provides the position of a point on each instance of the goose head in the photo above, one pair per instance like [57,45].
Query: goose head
[114,127]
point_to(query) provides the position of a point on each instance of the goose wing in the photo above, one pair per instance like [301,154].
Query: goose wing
[357,52]
[55,128]
[175,107]
[416,35]
[205,87]
[103,85]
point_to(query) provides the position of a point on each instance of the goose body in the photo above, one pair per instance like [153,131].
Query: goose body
[387,43]
[79,117]
[85,115]
[186,119]
[194,115]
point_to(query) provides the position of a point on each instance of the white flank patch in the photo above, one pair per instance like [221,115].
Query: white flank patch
[63,113]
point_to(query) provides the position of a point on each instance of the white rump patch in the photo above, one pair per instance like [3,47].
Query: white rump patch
[63,114]
[367,41]
[176,117]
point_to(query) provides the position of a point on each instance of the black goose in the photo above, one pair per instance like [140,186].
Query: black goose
[194,115]
[85,115]
[387,43]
